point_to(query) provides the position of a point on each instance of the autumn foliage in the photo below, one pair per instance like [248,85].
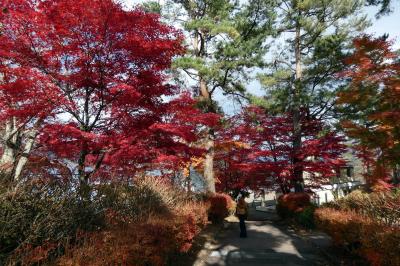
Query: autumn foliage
[256,150]
[96,137]
[381,206]
[149,222]
[153,240]
[220,206]
[366,224]
[91,78]
[87,110]
[372,102]
[376,242]
[298,208]
[294,202]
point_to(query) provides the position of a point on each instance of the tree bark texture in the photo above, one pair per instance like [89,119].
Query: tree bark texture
[298,181]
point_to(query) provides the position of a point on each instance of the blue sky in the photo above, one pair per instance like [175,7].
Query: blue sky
[387,24]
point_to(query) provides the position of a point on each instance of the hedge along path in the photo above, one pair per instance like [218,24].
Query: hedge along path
[267,244]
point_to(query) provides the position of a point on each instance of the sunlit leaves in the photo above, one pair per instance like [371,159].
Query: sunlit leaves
[96,75]
[256,149]
[371,104]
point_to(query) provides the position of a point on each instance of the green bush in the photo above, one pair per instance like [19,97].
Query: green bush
[297,206]
[306,217]
[283,212]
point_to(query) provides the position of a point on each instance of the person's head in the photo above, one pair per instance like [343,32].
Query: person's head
[244,194]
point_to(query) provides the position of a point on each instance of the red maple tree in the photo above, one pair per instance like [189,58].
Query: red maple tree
[263,155]
[92,77]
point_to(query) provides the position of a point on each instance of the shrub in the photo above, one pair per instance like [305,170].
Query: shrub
[220,206]
[146,225]
[124,244]
[291,203]
[147,222]
[380,206]
[306,217]
[376,242]
[36,218]
[297,206]
[380,245]
[343,226]
[294,202]
[191,217]
[147,196]
[153,241]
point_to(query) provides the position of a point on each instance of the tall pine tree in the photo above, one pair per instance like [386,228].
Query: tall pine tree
[301,77]
[224,41]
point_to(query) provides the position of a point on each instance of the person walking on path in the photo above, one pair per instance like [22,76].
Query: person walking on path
[241,212]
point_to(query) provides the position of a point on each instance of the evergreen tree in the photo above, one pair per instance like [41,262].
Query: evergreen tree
[301,77]
[225,40]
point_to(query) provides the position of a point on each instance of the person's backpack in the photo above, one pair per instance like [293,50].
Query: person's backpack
[241,210]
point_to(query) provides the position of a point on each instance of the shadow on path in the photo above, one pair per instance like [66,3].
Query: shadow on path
[267,244]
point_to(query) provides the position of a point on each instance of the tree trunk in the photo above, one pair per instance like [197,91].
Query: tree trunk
[209,178]
[29,142]
[84,188]
[298,181]
[209,166]
[8,158]
[205,95]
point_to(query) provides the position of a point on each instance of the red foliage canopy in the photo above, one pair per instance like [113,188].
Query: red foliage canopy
[263,155]
[95,74]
